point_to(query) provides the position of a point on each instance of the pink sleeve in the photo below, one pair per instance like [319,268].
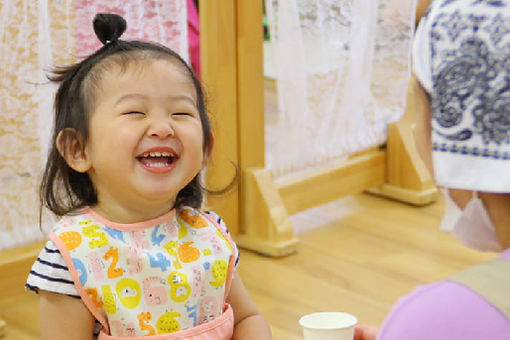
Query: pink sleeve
[444,311]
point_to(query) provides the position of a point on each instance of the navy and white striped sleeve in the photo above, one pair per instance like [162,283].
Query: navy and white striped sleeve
[220,222]
[50,273]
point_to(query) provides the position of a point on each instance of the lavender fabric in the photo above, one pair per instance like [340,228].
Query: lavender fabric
[445,310]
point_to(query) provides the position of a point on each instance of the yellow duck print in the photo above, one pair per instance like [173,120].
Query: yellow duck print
[219,272]
[167,323]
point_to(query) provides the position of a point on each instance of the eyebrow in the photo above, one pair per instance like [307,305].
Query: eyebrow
[142,96]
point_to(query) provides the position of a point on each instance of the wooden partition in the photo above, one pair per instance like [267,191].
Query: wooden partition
[257,209]
[15,265]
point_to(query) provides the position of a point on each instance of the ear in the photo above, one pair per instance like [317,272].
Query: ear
[208,152]
[70,146]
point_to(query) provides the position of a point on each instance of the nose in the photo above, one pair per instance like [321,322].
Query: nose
[161,127]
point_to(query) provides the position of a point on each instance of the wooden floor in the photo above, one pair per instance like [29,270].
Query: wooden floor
[357,254]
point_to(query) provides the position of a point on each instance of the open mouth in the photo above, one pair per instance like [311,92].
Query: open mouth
[157,160]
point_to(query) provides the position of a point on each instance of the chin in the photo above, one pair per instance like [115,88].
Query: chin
[161,197]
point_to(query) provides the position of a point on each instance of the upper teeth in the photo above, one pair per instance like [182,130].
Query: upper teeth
[156,154]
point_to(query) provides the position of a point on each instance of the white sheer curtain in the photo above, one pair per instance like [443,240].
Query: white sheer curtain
[341,68]
[35,35]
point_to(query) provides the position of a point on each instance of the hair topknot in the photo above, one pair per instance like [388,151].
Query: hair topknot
[109,27]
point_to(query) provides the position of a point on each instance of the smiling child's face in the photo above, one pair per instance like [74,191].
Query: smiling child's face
[145,139]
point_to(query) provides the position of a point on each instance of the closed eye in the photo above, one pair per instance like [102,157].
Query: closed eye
[133,113]
[182,114]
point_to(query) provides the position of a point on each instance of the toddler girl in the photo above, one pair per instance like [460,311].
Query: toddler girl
[133,255]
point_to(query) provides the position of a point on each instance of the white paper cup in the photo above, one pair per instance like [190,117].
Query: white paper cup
[328,326]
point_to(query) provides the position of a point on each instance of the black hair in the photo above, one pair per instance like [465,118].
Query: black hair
[63,189]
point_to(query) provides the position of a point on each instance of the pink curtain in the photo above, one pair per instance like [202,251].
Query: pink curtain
[162,21]
[34,36]
[194,36]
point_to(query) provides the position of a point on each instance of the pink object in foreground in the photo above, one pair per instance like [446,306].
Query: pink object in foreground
[363,332]
[445,310]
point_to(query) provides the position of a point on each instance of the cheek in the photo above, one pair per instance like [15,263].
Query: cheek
[112,143]
[126,134]
[120,138]
[192,138]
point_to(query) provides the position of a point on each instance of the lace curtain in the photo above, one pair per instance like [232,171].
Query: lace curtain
[341,68]
[34,36]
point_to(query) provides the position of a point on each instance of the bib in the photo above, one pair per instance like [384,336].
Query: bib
[171,274]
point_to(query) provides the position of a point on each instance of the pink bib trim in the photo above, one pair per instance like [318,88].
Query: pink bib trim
[221,328]
[130,226]
[74,274]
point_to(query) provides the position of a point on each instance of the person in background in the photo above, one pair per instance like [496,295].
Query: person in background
[133,254]
[461,65]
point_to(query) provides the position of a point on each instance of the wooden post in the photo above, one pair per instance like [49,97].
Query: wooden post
[407,178]
[219,73]
[265,224]
[234,74]
[3,327]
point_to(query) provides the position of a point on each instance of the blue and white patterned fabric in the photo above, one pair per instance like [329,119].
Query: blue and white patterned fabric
[461,56]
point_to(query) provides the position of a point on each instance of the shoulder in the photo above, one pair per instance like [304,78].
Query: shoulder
[219,221]
[216,218]
[72,221]
[188,214]
[50,272]
[444,310]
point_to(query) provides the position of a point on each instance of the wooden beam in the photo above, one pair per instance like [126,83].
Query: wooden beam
[267,227]
[332,182]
